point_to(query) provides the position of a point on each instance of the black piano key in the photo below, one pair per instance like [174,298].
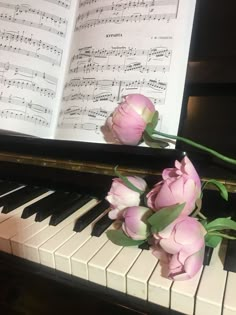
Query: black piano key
[74,202]
[6,187]
[16,198]
[230,257]
[21,197]
[82,222]
[101,225]
[48,210]
[35,207]
[4,199]
[207,255]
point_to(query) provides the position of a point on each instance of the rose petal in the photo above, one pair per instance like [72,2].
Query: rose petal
[170,246]
[194,263]
[188,231]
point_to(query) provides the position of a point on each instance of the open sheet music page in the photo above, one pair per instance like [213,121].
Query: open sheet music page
[34,40]
[122,47]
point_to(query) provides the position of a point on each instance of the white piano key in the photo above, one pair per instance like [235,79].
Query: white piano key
[63,254]
[139,274]
[159,288]
[183,294]
[46,251]
[79,261]
[18,241]
[119,267]
[6,216]
[31,246]
[9,228]
[98,264]
[230,297]
[211,289]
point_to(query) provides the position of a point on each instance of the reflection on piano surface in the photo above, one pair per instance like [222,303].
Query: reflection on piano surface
[53,215]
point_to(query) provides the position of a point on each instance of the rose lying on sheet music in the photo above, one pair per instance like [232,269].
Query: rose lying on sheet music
[66,64]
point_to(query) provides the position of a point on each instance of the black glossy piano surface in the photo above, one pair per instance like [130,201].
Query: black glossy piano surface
[208,116]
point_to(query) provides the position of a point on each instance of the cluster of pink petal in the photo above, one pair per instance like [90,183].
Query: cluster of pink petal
[179,185]
[121,197]
[181,246]
[130,118]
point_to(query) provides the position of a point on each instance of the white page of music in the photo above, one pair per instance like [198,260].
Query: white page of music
[122,47]
[33,37]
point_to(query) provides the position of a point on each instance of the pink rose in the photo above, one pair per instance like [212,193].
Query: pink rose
[180,247]
[179,185]
[121,197]
[130,118]
[135,222]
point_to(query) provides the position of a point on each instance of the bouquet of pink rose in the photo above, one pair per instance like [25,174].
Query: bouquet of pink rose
[168,216]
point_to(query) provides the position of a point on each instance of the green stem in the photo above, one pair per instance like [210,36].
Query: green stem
[222,235]
[197,145]
[201,215]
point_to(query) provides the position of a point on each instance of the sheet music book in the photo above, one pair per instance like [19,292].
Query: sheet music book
[65,65]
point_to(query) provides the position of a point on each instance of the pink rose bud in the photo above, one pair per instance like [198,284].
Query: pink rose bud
[135,222]
[180,247]
[179,185]
[130,118]
[121,197]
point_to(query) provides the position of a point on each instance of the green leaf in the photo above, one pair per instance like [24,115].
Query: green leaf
[164,217]
[118,237]
[154,143]
[127,182]
[212,240]
[149,129]
[220,186]
[221,224]
[155,119]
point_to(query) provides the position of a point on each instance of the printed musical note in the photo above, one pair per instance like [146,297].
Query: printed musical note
[77,82]
[24,110]
[89,52]
[83,126]
[126,12]
[28,16]
[25,78]
[84,3]
[28,71]
[125,6]
[50,53]
[125,19]
[84,111]
[65,4]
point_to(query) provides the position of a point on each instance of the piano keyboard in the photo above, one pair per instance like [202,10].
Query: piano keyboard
[56,230]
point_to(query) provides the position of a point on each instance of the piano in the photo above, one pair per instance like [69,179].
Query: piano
[53,214]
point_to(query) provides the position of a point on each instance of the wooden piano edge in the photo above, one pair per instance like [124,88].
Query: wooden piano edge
[92,167]
[104,294]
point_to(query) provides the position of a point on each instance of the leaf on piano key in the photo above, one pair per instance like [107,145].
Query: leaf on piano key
[119,238]
[212,240]
[164,217]
[221,224]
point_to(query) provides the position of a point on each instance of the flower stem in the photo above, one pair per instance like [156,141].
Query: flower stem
[201,215]
[222,235]
[197,145]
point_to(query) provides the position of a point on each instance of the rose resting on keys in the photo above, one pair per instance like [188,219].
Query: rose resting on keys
[167,216]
